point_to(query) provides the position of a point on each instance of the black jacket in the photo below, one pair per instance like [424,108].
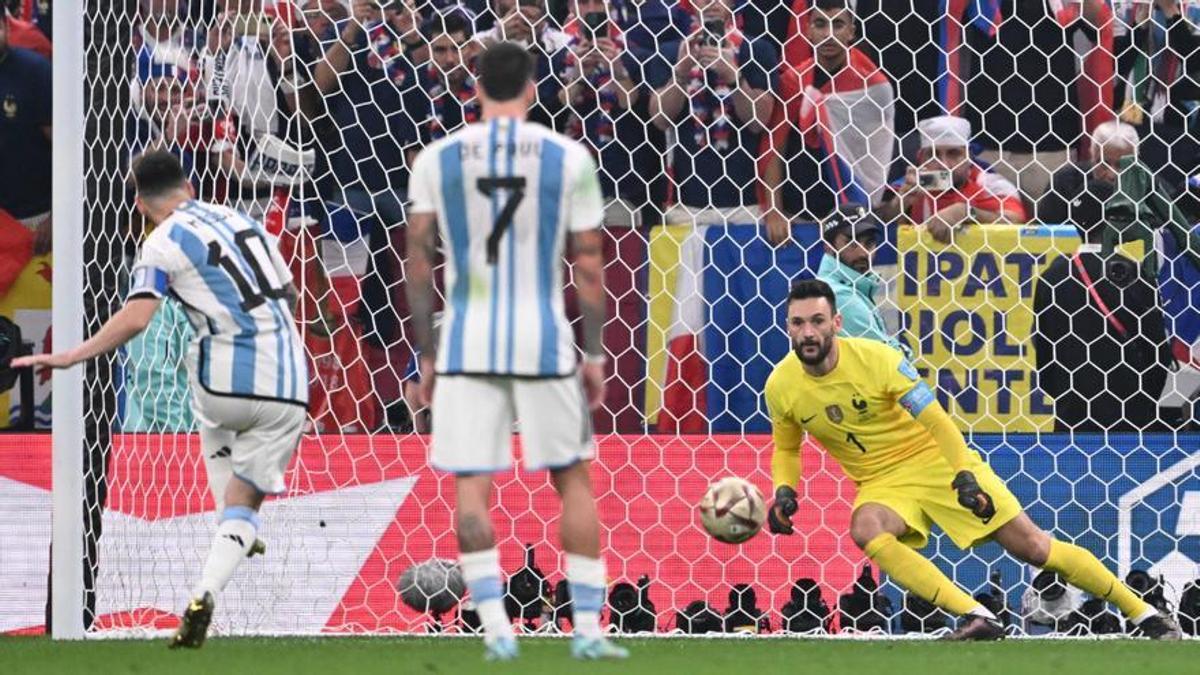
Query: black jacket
[1099,379]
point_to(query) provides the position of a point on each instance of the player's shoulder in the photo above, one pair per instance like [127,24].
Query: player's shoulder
[574,151]
[435,148]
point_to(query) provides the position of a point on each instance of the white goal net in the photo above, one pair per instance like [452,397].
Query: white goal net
[987,135]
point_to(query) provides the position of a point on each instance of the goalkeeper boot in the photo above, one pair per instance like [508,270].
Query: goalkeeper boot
[597,649]
[501,649]
[193,627]
[259,547]
[976,627]
[1160,627]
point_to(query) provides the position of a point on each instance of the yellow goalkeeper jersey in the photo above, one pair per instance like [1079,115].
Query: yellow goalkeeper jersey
[863,412]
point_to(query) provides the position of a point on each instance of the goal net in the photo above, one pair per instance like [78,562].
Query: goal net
[987,135]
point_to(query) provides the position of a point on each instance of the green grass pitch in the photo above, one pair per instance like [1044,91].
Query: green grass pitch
[362,656]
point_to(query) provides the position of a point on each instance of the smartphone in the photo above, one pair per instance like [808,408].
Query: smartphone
[597,25]
[935,181]
[714,32]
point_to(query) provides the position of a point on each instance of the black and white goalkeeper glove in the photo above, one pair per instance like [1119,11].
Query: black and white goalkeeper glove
[779,516]
[972,497]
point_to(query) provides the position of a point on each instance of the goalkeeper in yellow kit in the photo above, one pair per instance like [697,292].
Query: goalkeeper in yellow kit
[869,409]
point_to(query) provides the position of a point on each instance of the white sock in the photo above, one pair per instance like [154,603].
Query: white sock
[234,537]
[980,610]
[1151,611]
[587,580]
[481,572]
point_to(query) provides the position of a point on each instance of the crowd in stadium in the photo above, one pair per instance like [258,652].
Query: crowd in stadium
[708,112]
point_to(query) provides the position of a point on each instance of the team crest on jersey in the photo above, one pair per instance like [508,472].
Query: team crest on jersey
[834,413]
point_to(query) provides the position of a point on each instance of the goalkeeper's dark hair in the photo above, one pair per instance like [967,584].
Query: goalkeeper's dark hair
[806,289]
[504,70]
[156,173]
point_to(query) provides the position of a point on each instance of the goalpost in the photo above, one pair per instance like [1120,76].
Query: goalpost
[694,328]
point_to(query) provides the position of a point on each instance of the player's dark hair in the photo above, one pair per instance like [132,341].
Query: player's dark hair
[813,288]
[156,173]
[504,70]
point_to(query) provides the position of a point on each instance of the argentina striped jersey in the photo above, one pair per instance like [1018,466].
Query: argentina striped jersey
[506,193]
[228,274]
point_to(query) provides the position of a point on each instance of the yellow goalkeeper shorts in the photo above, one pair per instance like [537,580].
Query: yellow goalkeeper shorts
[922,496]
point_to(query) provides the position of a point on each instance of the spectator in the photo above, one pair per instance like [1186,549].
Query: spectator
[1158,90]
[254,83]
[852,234]
[715,96]
[25,35]
[948,190]
[25,139]
[1098,335]
[1111,142]
[601,97]
[447,78]
[525,23]
[375,102]
[1024,97]
[834,128]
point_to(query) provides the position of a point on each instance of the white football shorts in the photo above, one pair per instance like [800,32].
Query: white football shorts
[473,419]
[259,436]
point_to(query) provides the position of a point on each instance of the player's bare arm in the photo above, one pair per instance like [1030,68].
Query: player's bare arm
[418,271]
[587,248]
[121,328]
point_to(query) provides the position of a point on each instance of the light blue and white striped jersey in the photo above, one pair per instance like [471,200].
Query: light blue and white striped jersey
[506,193]
[228,274]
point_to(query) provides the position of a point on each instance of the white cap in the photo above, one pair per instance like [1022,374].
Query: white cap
[944,130]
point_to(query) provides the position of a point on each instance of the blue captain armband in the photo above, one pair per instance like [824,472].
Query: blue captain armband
[917,399]
[147,280]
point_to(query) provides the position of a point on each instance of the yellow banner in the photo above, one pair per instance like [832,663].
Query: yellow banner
[27,303]
[967,312]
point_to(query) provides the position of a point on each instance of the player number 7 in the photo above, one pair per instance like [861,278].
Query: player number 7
[850,437]
[515,185]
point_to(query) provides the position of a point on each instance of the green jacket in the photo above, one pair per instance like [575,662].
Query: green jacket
[157,396]
[856,301]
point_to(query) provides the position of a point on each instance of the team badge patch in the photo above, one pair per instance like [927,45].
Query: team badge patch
[834,413]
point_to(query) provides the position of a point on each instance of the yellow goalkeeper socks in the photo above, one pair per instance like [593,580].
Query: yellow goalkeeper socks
[1078,567]
[912,571]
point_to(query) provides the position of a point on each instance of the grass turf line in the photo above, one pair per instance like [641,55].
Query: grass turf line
[363,656]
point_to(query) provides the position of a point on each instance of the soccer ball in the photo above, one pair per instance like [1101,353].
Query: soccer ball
[733,510]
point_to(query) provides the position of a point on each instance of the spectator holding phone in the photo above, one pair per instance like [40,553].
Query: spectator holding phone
[947,190]
[601,94]
[715,94]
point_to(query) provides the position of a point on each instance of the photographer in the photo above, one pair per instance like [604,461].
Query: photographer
[948,190]
[1098,332]
[716,98]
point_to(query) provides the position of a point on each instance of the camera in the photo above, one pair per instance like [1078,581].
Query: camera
[935,181]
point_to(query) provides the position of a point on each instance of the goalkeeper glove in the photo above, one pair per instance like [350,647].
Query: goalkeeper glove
[972,497]
[779,516]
